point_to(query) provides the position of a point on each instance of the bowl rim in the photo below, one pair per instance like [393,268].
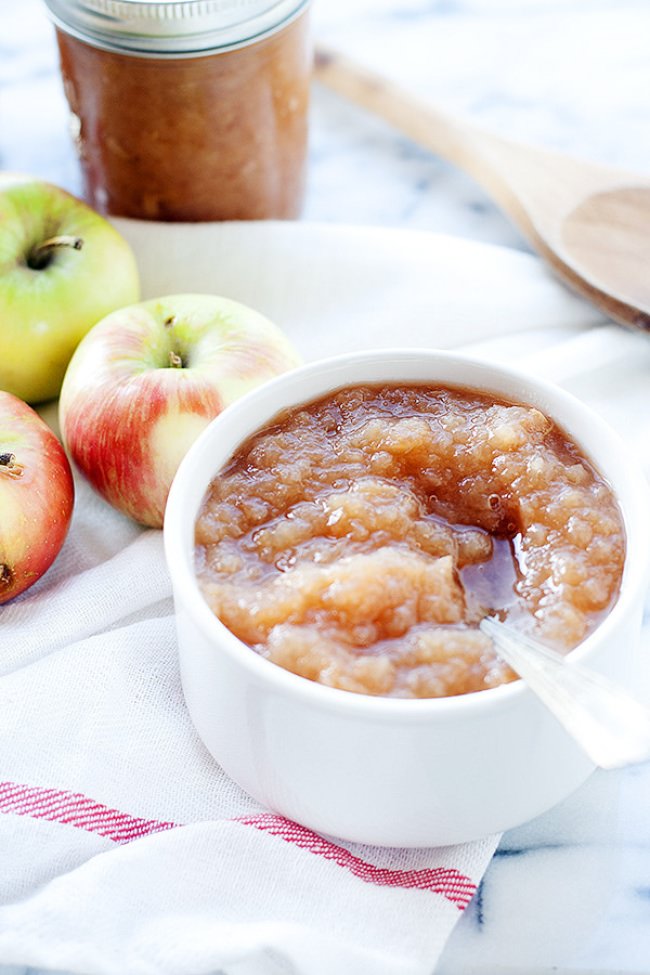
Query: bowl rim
[178,554]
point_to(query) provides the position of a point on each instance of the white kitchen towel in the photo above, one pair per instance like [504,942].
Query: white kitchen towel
[124,849]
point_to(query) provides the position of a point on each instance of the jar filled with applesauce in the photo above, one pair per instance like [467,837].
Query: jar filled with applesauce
[191,110]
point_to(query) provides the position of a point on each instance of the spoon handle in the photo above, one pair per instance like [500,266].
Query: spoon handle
[424,123]
[610,725]
[460,142]
[508,171]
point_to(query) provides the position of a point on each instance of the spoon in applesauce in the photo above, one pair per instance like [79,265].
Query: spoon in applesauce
[610,725]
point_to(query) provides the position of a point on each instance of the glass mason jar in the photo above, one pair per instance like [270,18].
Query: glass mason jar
[188,109]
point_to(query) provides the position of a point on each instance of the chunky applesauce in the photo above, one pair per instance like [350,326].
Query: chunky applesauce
[359,539]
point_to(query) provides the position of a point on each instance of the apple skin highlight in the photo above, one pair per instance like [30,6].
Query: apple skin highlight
[147,379]
[36,496]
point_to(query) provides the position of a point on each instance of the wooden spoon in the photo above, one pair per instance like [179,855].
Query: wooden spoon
[590,222]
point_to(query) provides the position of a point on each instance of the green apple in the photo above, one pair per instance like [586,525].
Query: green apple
[62,269]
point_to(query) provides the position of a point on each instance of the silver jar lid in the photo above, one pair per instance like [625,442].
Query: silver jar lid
[172,27]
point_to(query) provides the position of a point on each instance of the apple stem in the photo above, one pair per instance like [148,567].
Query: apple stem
[175,361]
[9,467]
[6,576]
[39,257]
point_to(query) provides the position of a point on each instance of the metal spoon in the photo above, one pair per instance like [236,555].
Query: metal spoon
[590,222]
[610,725]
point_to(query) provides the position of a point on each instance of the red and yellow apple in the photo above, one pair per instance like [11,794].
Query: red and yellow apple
[36,496]
[146,380]
[62,269]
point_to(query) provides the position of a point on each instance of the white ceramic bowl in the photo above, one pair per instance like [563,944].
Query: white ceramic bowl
[378,770]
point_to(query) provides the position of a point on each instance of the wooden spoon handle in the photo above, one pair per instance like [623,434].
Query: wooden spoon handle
[428,126]
[484,156]
[505,169]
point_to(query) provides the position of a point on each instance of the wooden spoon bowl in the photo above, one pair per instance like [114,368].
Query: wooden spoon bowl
[606,239]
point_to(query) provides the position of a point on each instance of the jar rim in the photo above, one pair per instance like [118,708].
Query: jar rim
[176,28]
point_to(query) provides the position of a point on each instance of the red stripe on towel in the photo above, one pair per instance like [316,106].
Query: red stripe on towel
[453,885]
[75,809]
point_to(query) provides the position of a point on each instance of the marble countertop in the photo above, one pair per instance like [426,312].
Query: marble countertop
[561,895]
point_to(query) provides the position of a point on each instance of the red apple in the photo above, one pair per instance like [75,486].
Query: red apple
[147,379]
[36,496]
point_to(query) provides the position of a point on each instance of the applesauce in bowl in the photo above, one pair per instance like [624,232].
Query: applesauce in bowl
[359,539]
[384,767]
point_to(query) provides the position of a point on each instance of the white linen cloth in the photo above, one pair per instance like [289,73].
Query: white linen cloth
[124,849]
